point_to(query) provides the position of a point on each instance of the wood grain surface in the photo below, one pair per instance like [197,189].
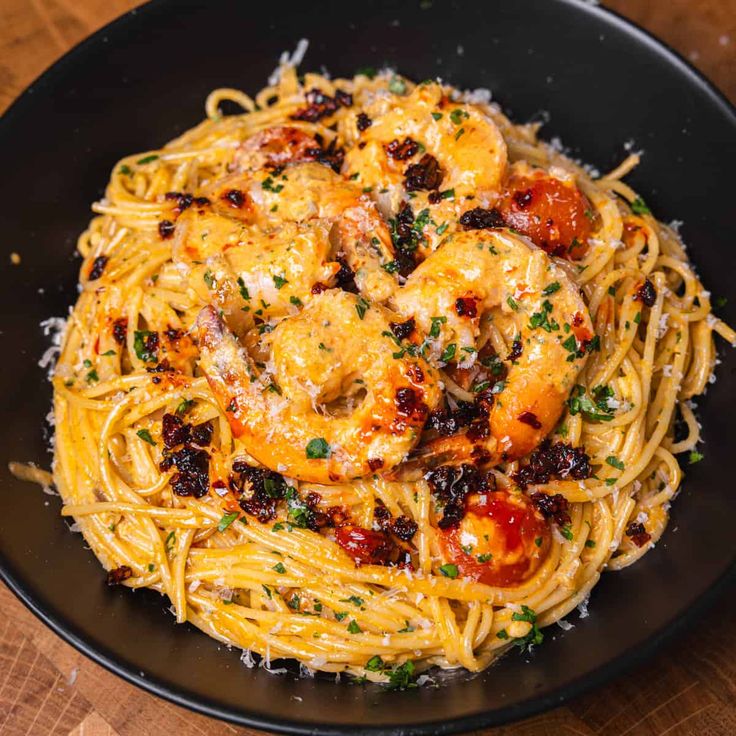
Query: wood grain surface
[49,689]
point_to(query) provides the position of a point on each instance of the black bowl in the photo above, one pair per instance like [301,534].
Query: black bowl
[142,80]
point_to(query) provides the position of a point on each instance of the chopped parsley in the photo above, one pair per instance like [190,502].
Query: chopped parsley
[541,318]
[147,159]
[354,599]
[448,353]
[402,677]
[279,567]
[458,115]
[485,557]
[226,520]
[296,301]
[551,288]
[125,170]
[269,186]
[362,307]
[243,289]
[353,627]
[614,462]
[318,449]
[145,435]
[695,457]
[397,85]
[375,664]
[513,303]
[436,115]
[449,570]
[184,406]
[535,636]
[146,348]
[279,282]
[170,542]
[434,330]
[639,207]
[580,403]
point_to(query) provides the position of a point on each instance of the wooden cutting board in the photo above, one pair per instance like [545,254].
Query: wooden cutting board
[49,689]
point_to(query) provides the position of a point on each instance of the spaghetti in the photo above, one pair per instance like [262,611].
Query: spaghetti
[367,572]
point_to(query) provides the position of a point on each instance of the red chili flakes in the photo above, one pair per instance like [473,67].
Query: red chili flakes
[646,293]
[165,229]
[234,197]
[426,175]
[98,266]
[401,151]
[481,219]
[552,507]
[528,417]
[415,373]
[517,348]
[452,484]
[375,463]
[402,330]
[559,461]
[117,575]
[331,156]
[409,403]
[638,533]
[320,105]
[120,330]
[363,122]
[318,288]
[467,306]
[448,421]
[184,200]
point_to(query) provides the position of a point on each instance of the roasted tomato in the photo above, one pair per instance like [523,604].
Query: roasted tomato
[501,540]
[553,213]
[365,546]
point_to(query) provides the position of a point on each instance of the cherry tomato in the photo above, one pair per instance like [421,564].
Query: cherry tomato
[502,539]
[553,213]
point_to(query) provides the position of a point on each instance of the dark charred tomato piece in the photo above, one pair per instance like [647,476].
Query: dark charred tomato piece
[118,575]
[165,229]
[501,540]
[467,306]
[97,268]
[553,214]
[365,546]
[646,293]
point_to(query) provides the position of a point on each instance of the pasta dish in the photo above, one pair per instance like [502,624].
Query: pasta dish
[368,377]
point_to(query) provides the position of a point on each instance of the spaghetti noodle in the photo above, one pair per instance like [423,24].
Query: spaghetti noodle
[356,572]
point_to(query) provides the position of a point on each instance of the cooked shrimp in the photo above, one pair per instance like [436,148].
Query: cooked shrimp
[334,403]
[471,274]
[447,154]
[281,235]
[274,147]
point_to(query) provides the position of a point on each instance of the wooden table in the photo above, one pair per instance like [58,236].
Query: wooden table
[47,688]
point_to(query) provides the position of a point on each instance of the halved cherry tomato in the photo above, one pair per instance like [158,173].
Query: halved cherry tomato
[553,213]
[502,540]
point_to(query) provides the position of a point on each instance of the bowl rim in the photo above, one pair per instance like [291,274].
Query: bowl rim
[623,661]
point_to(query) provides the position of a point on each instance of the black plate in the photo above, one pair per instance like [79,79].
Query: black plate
[143,80]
